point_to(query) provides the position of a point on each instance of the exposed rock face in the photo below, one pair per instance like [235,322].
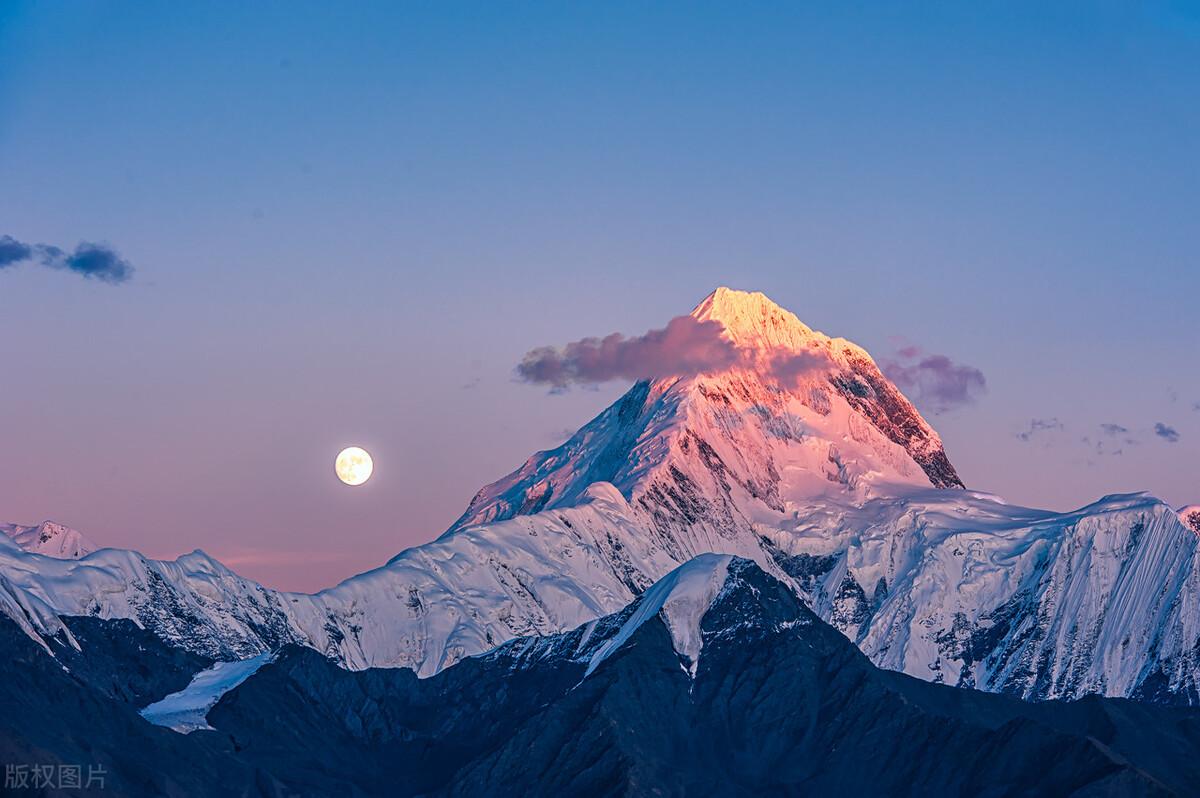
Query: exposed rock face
[1191,517]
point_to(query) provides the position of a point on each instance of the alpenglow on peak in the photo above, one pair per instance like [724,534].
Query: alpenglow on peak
[753,321]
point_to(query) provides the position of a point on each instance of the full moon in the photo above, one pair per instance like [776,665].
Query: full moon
[353,466]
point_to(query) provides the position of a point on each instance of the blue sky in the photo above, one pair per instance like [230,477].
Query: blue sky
[349,224]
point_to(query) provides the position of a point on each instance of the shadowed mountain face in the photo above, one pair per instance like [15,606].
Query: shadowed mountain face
[77,710]
[780,703]
[717,681]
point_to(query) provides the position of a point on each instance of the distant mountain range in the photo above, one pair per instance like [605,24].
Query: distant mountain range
[717,681]
[829,491]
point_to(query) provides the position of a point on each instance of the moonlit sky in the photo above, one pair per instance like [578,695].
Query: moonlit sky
[349,223]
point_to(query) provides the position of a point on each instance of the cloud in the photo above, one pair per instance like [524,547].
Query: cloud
[13,251]
[789,367]
[1168,434]
[94,261]
[684,347]
[252,557]
[1037,425]
[561,435]
[934,380]
[90,260]
[1111,440]
[1117,431]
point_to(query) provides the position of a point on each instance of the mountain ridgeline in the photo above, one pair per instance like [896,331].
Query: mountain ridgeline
[717,680]
[830,481]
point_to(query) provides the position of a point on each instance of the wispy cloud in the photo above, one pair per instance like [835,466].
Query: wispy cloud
[235,558]
[1039,425]
[94,261]
[1111,441]
[932,380]
[1168,434]
[1108,440]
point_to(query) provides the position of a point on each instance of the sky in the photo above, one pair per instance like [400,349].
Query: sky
[347,225]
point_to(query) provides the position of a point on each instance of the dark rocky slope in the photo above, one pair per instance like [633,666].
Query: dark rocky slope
[781,703]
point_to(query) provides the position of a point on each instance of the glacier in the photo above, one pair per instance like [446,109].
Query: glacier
[187,710]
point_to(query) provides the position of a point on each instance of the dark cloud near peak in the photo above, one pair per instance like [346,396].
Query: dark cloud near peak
[1113,429]
[90,260]
[685,347]
[688,346]
[934,380]
[1167,433]
[1038,425]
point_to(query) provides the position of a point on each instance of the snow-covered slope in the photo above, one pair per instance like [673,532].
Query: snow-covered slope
[193,602]
[747,436]
[49,538]
[966,589]
[828,479]
[681,598]
[187,710]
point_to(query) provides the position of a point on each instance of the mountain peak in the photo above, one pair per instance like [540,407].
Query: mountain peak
[49,538]
[752,320]
[802,415]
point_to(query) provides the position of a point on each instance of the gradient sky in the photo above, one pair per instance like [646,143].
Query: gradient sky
[349,224]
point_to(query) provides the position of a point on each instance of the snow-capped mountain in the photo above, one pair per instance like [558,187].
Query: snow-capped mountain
[50,539]
[739,438]
[717,680]
[828,479]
